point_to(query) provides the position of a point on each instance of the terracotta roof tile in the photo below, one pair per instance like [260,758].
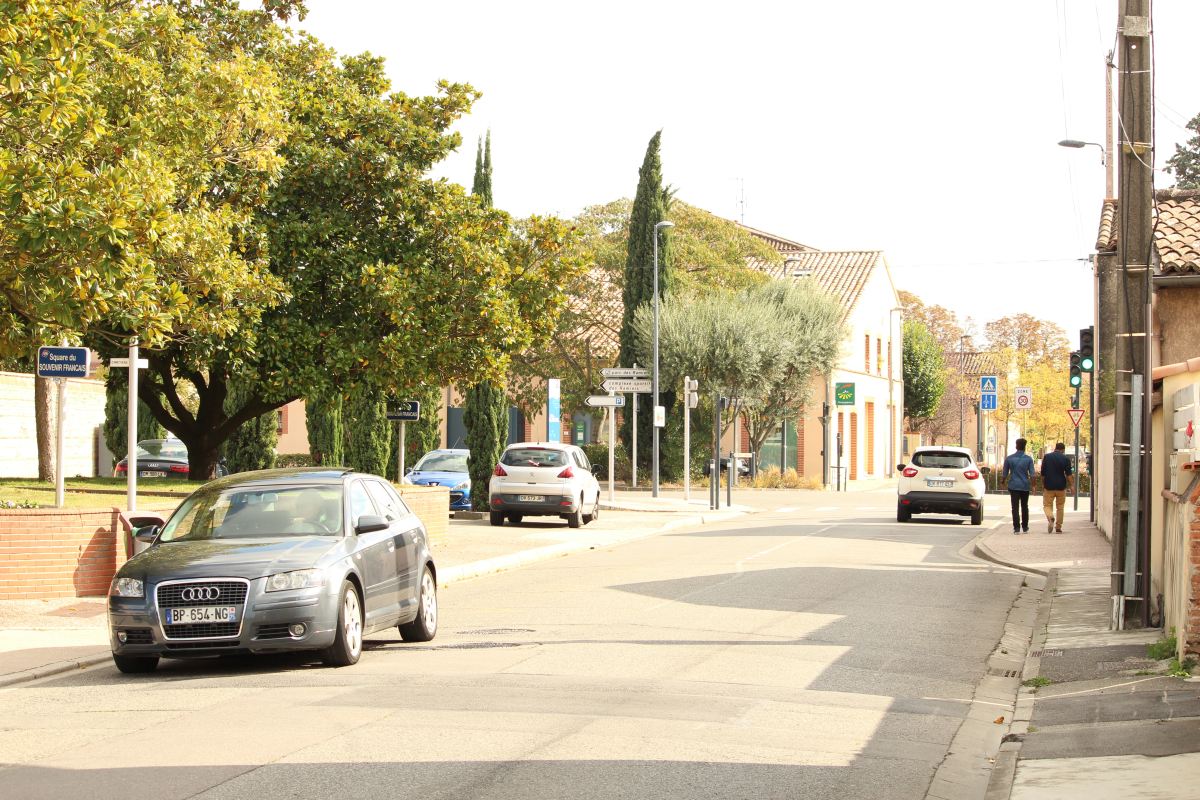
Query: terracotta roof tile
[778,242]
[976,363]
[1177,235]
[1106,238]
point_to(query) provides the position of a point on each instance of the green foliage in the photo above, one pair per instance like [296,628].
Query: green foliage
[295,460]
[1181,669]
[426,434]
[924,368]
[326,434]
[482,187]
[1185,164]
[485,416]
[368,432]
[1037,682]
[1165,647]
[116,416]
[252,446]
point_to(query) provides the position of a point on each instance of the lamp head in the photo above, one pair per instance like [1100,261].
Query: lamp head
[664,224]
[1072,143]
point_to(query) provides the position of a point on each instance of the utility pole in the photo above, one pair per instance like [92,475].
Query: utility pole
[1130,565]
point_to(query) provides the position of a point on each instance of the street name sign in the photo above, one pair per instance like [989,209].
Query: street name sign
[988,384]
[124,362]
[1075,414]
[62,362]
[605,400]
[987,402]
[409,411]
[1024,398]
[637,385]
[625,372]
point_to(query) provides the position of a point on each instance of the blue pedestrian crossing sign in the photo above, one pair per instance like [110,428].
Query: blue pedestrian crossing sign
[987,402]
[987,384]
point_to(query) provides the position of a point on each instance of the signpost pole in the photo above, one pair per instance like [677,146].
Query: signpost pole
[687,440]
[60,450]
[612,439]
[400,459]
[732,471]
[131,429]
[633,465]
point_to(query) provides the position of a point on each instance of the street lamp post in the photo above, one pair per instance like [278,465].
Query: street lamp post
[657,228]
[783,425]
[891,399]
[961,372]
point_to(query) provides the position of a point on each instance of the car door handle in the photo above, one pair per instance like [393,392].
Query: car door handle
[392,545]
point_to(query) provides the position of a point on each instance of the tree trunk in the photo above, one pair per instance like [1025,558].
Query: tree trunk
[43,415]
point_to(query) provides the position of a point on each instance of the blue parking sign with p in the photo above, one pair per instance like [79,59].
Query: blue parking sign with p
[987,384]
[987,402]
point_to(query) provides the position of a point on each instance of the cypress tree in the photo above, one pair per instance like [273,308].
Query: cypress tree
[252,445]
[482,185]
[651,205]
[116,416]
[425,434]
[368,432]
[485,416]
[326,437]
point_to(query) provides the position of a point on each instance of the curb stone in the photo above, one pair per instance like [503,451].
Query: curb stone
[491,566]
[976,749]
[53,669]
[980,550]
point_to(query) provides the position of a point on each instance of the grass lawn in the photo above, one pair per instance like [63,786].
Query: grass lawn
[80,491]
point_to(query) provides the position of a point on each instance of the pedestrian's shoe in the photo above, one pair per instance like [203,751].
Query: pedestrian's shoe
[1025,530]
[1049,526]
[1016,530]
[1059,530]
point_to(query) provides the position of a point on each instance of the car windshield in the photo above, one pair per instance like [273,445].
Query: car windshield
[442,462]
[157,448]
[533,457]
[244,512]
[942,460]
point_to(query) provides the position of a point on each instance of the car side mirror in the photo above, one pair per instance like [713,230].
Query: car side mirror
[407,470]
[985,470]
[595,469]
[147,535]
[370,522]
[901,466]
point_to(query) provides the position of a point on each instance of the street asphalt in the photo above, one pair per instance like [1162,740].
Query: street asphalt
[815,649]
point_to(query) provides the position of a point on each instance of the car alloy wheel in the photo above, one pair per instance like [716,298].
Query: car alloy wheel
[347,646]
[424,627]
[352,623]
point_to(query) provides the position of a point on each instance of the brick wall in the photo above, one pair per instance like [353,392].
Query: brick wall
[18,432]
[432,505]
[1191,633]
[61,552]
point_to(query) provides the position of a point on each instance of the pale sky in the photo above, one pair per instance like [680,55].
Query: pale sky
[928,131]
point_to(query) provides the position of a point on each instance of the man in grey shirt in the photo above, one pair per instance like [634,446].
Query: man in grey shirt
[1020,467]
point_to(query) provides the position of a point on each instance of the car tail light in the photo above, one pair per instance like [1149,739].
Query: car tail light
[567,473]
[179,468]
[120,468]
[971,475]
[499,470]
[910,473]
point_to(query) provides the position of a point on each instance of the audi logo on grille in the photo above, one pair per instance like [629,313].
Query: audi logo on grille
[200,593]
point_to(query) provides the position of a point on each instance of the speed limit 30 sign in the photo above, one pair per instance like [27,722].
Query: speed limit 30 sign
[1024,398]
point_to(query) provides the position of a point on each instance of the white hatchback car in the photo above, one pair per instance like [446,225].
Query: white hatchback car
[544,479]
[941,480]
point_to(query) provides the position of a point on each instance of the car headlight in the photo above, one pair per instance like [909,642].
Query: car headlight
[299,579]
[127,587]
[464,485]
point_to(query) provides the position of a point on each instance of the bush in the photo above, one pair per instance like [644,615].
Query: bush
[294,460]
[1166,647]
[771,478]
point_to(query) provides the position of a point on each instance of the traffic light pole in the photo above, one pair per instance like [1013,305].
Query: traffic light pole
[1077,459]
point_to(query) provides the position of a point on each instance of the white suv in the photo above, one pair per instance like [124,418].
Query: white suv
[941,480]
[544,479]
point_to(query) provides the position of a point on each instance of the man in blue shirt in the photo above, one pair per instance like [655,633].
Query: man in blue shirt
[1020,467]
[1056,476]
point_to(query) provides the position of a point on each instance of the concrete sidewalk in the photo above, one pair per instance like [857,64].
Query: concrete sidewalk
[46,637]
[1095,717]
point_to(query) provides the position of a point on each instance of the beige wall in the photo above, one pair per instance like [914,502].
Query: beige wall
[18,433]
[1102,463]
[294,438]
[1177,313]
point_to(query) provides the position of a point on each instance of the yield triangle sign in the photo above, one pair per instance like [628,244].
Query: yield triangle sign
[1075,414]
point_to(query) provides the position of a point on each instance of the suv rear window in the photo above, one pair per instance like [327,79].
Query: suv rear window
[533,457]
[937,460]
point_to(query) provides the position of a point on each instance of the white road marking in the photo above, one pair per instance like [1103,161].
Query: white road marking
[828,508]
[787,510]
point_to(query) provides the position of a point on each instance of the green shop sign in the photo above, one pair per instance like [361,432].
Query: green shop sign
[844,392]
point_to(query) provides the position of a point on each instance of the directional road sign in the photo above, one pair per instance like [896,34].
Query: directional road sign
[988,384]
[1075,414]
[987,402]
[143,363]
[625,372]
[1024,398]
[637,385]
[62,362]
[601,400]
[410,411]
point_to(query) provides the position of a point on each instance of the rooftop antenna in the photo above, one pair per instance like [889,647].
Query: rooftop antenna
[742,202]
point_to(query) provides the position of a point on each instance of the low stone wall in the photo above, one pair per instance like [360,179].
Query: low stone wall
[432,505]
[62,552]
[74,552]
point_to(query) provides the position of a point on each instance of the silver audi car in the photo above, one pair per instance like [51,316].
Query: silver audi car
[284,559]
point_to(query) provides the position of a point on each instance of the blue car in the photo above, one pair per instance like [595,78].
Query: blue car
[444,468]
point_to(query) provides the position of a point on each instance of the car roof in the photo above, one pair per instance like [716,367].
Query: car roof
[546,445]
[286,475]
[450,450]
[927,447]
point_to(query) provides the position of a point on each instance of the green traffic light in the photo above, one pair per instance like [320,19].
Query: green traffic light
[1076,380]
[1086,363]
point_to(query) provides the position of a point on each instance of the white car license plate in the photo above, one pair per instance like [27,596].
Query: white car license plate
[531,498]
[191,616]
[938,484]
[150,474]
